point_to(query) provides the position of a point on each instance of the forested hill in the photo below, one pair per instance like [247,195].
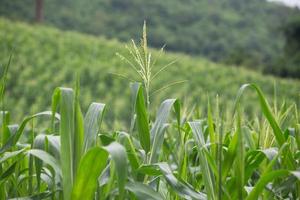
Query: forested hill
[236,32]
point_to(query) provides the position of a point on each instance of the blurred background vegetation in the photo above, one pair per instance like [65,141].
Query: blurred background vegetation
[223,40]
[256,34]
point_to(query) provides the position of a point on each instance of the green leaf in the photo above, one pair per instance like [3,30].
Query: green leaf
[85,183]
[229,156]
[9,171]
[38,196]
[5,132]
[15,138]
[79,127]
[279,135]
[267,178]
[240,157]
[143,192]
[38,143]
[269,175]
[48,159]
[119,156]
[253,160]
[159,126]
[211,130]
[3,82]
[92,122]
[134,92]
[65,98]
[179,186]
[54,145]
[13,154]
[142,120]
[182,188]
[204,164]
[131,153]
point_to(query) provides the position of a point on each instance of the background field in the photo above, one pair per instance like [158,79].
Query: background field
[44,58]
[244,33]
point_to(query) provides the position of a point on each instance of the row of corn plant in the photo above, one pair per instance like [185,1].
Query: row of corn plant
[176,154]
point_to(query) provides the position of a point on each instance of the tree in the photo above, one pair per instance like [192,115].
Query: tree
[288,65]
[39,4]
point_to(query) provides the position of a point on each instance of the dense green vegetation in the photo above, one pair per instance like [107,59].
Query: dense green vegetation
[45,57]
[288,63]
[174,155]
[243,33]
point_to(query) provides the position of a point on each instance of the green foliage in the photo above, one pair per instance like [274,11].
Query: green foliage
[163,157]
[288,64]
[45,57]
[244,33]
[86,183]
[106,172]
[142,120]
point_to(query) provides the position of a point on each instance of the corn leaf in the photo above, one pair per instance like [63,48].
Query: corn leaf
[159,126]
[119,156]
[143,192]
[142,120]
[207,176]
[85,183]
[92,122]
[65,98]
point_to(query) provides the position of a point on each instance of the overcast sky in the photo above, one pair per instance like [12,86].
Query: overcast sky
[294,3]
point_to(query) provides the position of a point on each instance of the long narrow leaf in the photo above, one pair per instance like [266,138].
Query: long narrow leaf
[15,138]
[207,176]
[158,129]
[119,156]
[92,122]
[142,120]
[65,98]
[86,181]
[279,135]
[143,192]
[268,177]
[48,159]
[179,186]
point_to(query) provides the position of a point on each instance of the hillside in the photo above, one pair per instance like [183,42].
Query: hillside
[45,58]
[245,33]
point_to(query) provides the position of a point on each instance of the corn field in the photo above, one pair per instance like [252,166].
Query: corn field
[177,154]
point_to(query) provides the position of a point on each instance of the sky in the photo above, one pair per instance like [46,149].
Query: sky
[293,3]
